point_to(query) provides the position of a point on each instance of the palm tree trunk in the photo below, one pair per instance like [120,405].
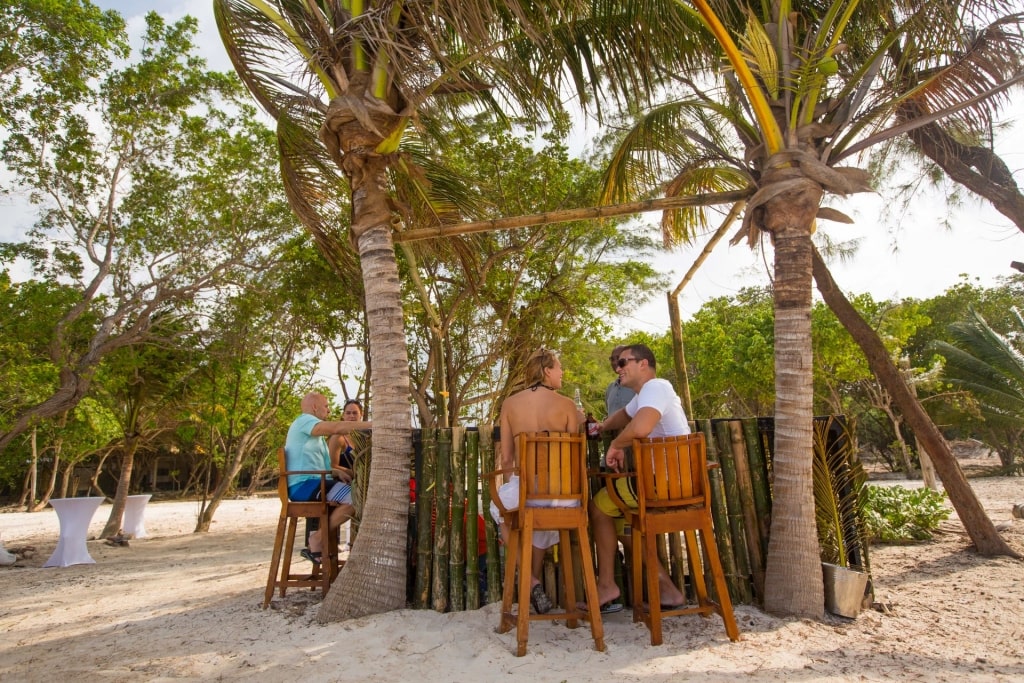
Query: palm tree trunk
[373,580]
[793,580]
[979,527]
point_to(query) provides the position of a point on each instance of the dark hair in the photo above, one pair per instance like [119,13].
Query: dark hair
[643,352]
[353,401]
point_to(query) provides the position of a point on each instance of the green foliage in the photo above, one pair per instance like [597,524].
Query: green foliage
[838,480]
[894,514]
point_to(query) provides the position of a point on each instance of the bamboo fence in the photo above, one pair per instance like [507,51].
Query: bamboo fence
[449,573]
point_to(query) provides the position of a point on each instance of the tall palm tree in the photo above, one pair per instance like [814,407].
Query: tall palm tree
[796,101]
[357,85]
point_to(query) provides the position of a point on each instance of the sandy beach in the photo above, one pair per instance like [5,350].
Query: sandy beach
[184,606]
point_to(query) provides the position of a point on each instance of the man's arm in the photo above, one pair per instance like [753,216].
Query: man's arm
[617,420]
[329,427]
[641,425]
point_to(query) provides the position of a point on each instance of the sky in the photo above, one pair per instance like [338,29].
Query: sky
[917,253]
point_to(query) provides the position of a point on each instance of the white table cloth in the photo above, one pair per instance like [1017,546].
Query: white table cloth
[74,516]
[134,516]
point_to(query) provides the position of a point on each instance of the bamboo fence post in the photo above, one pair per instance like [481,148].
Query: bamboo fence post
[442,521]
[457,517]
[728,463]
[746,498]
[488,457]
[472,512]
[759,481]
[424,515]
[719,510]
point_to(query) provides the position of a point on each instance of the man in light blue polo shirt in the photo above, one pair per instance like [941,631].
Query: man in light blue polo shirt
[306,449]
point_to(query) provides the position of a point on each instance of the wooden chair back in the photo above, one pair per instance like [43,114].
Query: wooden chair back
[674,495]
[553,495]
[281,575]
[553,469]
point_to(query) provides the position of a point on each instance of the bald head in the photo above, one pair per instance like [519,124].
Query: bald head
[314,404]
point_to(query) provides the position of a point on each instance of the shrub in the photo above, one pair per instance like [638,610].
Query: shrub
[893,514]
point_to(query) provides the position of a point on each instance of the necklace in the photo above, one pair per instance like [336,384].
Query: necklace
[539,384]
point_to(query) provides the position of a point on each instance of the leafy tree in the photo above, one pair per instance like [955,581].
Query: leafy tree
[49,50]
[373,80]
[486,304]
[149,199]
[729,355]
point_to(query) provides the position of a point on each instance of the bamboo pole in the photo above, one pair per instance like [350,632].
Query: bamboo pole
[489,459]
[442,521]
[719,511]
[567,215]
[759,480]
[741,579]
[755,558]
[472,512]
[457,542]
[424,515]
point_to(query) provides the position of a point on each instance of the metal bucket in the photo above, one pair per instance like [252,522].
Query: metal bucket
[844,589]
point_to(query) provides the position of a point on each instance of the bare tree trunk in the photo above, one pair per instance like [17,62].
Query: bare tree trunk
[793,579]
[33,473]
[113,526]
[979,527]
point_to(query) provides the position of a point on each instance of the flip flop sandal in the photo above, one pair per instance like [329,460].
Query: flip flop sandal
[311,556]
[611,607]
[539,599]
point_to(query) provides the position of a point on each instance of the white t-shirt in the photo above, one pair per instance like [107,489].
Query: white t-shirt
[659,394]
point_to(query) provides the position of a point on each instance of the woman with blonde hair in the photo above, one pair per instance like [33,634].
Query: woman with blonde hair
[537,408]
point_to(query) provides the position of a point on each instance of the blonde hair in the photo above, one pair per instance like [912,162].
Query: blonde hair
[539,360]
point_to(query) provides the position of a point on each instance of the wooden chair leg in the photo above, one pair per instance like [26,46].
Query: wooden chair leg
[275,561]
[568,578]
[590,587]
[700,586]
[653,587]
[525,565]
[718,576]
[637,572]
[508,589]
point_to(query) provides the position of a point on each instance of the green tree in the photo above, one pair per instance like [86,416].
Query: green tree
[488,301]
[364,81]
[149,199]
[49,50]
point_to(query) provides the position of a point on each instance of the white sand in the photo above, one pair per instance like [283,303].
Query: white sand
[186,606]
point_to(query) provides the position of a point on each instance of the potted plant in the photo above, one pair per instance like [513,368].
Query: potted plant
[839,482]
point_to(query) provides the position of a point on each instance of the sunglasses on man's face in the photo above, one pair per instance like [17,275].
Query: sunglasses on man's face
[621,363]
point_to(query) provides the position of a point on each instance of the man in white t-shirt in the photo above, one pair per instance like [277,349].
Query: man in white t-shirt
[654,411]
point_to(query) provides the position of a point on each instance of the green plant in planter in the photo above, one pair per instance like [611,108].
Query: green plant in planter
[894,514]
[839,485]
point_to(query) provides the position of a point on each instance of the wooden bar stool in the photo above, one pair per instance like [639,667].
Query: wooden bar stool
[673,495]
[284,540]
[553,495]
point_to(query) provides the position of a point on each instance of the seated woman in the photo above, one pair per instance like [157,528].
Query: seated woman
[537,408]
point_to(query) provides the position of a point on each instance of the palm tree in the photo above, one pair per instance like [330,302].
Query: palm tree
[795,102]
[355,87]
[989,365]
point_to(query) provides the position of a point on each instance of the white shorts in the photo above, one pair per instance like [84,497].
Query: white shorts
[340,493]
[508,493]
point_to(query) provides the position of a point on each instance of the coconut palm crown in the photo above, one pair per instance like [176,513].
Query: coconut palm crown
[806,88]
[362,90]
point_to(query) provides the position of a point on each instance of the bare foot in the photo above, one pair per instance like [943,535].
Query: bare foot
[670,595]
[605,594]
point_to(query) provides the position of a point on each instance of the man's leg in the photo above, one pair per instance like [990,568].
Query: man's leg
[339,515]
[670,594]
[603,528]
